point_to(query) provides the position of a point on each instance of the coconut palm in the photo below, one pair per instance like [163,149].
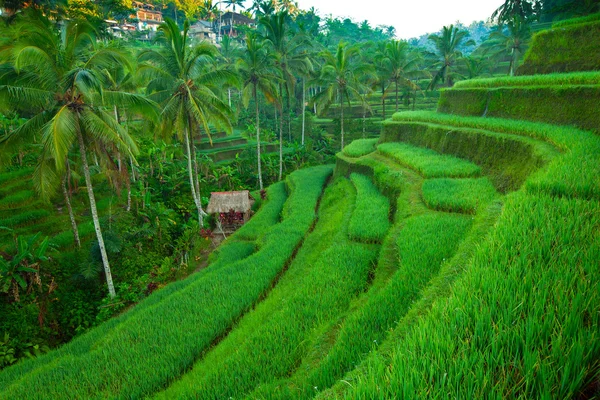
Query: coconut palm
[182,80]
[402,65]
[447,45]
[290,60]
[229,52]
[259,75]
[56,77]
[233,4]
[511,41]
[340,76]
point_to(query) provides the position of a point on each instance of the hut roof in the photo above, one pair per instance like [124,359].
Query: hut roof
[222,202]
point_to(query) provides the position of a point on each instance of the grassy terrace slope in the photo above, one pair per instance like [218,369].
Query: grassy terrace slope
[521,318]
[149,346]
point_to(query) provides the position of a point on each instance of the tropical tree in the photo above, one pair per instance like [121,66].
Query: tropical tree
[290,59]
[259,75]
[525,9]
[56,76]
[229,52]
[511,41]
[382,72]
[447,45]
[233,4]
[402,65]
[340,78]
[181,79]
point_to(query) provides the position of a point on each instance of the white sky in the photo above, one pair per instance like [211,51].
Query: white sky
[411,18]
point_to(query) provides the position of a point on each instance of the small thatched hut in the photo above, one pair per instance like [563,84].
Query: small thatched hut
[233,208]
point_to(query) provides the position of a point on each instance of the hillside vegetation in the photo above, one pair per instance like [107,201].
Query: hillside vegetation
[454,256]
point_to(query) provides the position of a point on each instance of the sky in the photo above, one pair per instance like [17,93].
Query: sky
[411,18]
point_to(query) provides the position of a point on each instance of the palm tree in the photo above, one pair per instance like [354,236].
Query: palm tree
[56,77]
[525,9]
[512,41]
[340,76]
[180,82]
[229,53]
[382,72]
[233,4]
[257,70]
[401,64]
[448,53]
[289,58]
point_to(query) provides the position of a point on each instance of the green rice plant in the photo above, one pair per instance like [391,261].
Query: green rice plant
[65,240]
[370,219]
[11,187]
[150,346]
[15,175]
[521,321]
[328,272]
[424,244]
[458,195]
[16,199]
[427,162]
[565,49]
[25,218]
[360,147]
[575,173]
[269,214]
[559,104]
[572,78]
[576,21]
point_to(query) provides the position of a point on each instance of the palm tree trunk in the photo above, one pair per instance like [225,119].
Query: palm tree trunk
[260,181]
[281,146]
[303,107]
[71,215]
[195,196]
[229,96]
[396,96]
[90,190]
[364,118]
[342,118]
[383,98]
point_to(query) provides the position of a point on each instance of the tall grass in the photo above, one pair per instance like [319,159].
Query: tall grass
[573,78]
[269,214]
[424,244]
[16,199]
[360,147]
[25,218]
[328,272]
[15,175]
[573,174]
[427,162]
[521,322]
[458,195]
[370,219]
[150,346]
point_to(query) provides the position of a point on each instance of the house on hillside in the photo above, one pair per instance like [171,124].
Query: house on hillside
[238,20]
[233,209]
[148,16]
[203,30]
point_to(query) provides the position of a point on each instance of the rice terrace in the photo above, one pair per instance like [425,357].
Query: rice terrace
[250,200]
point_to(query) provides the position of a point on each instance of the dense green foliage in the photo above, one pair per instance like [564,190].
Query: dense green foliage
[564,49]
[325,275]
[507,314]
[427,162]
[458,195]
[191,320]
[572,78]
[561,105]
[370,219]
[360,147]
[573,174]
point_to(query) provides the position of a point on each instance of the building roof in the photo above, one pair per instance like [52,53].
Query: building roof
[222,202]
[238,19]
